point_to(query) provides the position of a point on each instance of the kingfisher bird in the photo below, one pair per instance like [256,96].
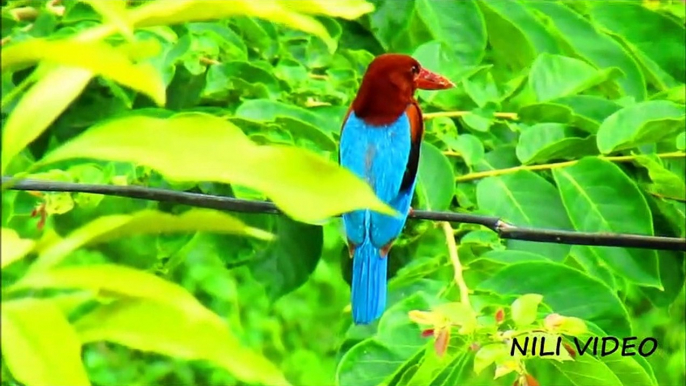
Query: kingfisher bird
[380,143]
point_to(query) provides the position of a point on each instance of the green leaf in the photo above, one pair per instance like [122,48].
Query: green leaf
[554,76]
[39,107]
[391,20]
[585,370]
[481,87]
[14,248]
[471,148]
[507,38]
[479,119]
[112,227]
[599,197]
[665,183]
[439,57]
[592,300]
[653,33]
[239,76]
[525,309]
[593,264]
[673,212]
[628,370]
[305,186]
[681,141]
[459,24]
[672,274]
[457,371]
[638,124]
[163,328]
[288,261]
[525,199]
[543,142]
[376,359]
[532,28]
[510,256]
[589,111]
[300,122]
[97,57]
[39,346]
[594,46]
[675,94]
[434,178]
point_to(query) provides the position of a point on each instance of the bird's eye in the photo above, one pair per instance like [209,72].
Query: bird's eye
[415,69]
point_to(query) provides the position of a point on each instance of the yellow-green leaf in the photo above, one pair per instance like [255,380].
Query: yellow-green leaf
[524,309]
[201,147]
[13,247]
[458,314]
[488,355]
[182,11]
[113,12]
[58,203]
[39,346]
[144,222]
[113,280]
[347,9]
[40,106]
[98,57]
[166,329]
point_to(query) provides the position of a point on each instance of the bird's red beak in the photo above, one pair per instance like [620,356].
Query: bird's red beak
[427,80]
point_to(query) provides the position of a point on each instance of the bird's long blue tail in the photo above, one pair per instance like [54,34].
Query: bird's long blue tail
[369,283]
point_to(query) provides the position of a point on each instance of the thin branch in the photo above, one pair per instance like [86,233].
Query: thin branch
[503,229]
[500,172]
[457,265]
[457,114]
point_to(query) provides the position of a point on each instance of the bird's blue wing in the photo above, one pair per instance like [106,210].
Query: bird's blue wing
[379,155]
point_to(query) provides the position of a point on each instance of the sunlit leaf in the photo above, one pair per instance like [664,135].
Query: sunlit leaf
[14,248]
[145,222]
[113,280]
[167,329]
[39,107]
[181,11]
[524,309]
[200,147]
[39,346]
[489,354]
[97,57]
[114,12]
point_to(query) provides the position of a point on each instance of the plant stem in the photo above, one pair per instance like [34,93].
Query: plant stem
[499,172]
[457,265]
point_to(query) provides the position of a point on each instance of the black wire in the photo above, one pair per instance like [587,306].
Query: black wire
[504,230]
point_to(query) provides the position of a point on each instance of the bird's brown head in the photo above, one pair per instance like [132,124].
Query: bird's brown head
[389,85]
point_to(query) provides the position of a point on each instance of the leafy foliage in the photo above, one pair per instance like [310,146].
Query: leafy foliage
[567,115]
